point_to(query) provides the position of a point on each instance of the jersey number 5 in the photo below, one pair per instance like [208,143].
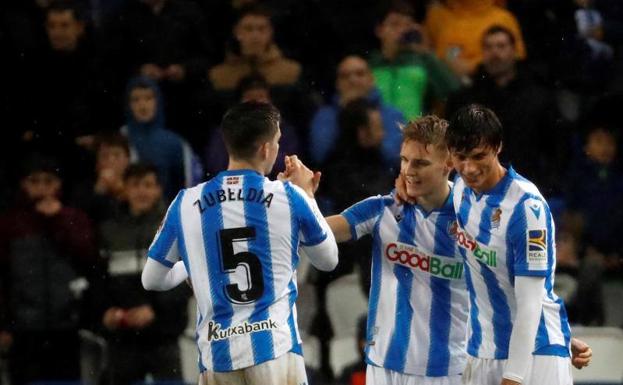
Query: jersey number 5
[248,260]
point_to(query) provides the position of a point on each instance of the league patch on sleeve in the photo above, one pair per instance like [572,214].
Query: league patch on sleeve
[537,246]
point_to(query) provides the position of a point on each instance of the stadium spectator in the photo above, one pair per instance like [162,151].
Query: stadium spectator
[354,80]
[526,109]
[165,40]
[101,196]
[256,51]
[456,28]
[45,250]
[593,216]
[253,50]
[142,328]
[252,88]
[151,142]
[408,76]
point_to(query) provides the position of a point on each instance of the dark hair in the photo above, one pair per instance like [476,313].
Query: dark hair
[37,162]
[140,170]
[67,5]
[253,81]
[471,126]
[354,115]
[246,124]
[254,10]
[112,140]
[428,129]
[398,6]
[499,29]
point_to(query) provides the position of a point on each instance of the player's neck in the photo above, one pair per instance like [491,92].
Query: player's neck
[241,164]
[434,200]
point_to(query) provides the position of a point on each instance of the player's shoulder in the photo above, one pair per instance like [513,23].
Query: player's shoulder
[522,189]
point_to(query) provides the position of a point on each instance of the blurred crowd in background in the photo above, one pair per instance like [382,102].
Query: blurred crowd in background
[109,107]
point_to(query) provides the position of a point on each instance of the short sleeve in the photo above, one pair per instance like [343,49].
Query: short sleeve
[307,214]
[164,247]
[363,215]
[531,235]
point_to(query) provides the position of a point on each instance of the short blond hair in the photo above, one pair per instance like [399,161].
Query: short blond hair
[428,130]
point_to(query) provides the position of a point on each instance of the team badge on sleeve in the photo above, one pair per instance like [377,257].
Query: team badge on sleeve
[537,246]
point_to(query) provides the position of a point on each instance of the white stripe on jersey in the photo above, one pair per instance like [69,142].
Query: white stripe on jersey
[418,301]
[238,235]
[505,232]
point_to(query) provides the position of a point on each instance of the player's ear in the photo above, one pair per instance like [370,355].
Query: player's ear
[264,150]
[499,148]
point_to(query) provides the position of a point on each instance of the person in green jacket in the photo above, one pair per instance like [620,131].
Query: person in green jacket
[408,76]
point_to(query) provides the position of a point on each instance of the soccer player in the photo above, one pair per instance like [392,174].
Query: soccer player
[238,236]
[418,301]
[518,328]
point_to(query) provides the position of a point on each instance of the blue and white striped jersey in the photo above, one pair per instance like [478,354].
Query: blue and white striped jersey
[503,233]
[418,310]
[238,235]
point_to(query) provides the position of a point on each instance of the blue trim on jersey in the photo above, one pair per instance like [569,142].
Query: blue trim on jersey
[313,233]
[375,287]
[363,211]
[516,255]
[211,225]
[399,343]
[440,321]
[163,262]
[553,350]
[255,216]
[168,233]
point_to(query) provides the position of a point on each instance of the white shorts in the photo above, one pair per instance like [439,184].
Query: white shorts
[382,376]
[550,370]
[288,369]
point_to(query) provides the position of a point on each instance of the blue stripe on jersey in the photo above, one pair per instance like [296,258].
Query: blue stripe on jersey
[376,282]
[211,225]
[181,240]
[202,368]
[362,212]
[501,313]
[294,241]
[542,339]
[167,237]
[475,339]
[291,322]
[399,344]
[312,231]
[499,302]
[441,303]
[255,216]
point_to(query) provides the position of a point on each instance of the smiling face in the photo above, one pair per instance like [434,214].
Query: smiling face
[479,167]
[424,168]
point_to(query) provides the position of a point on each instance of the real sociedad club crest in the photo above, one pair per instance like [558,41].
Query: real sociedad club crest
[495,218]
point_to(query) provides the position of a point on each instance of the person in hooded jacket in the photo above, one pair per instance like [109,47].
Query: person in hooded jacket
[151,142]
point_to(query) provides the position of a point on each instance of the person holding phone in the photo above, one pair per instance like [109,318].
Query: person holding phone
[408,76]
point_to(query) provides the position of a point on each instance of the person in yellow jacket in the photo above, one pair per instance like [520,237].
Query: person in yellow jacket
[455,29]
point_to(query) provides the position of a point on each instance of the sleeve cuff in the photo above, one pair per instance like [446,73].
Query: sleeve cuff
[163,262]
[522,271]
[351,223]
[315,241]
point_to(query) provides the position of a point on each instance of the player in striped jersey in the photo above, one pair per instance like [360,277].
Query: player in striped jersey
[518,327]
[418,307]
[238,237]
